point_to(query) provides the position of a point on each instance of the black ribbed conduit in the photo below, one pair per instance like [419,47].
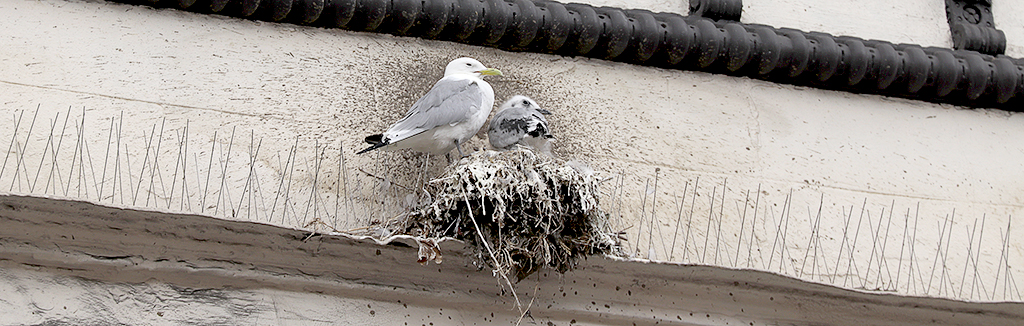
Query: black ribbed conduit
[664,40]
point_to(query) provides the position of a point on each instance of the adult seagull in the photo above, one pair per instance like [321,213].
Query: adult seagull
[520,121]
[448,115]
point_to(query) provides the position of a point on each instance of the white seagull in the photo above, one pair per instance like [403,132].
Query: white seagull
[520,121]
[447,116]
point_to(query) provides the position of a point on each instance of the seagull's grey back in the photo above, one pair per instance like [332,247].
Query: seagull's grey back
[452,100]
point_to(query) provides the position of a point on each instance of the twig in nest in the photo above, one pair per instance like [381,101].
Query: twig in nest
[497,266]
[527,310]
[358,229]
[310,236]
[318,221]
[314,233]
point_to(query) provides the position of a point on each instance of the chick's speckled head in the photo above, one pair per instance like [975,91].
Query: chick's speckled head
[523,102]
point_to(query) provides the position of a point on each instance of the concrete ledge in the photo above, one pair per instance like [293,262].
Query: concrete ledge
[49,243]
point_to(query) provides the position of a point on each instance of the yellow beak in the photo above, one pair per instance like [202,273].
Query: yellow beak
[491,72]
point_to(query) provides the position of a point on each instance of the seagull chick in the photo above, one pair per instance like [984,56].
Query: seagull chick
[447,116]
[520,121]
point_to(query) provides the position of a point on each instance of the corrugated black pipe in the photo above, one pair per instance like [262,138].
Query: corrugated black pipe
[666,40]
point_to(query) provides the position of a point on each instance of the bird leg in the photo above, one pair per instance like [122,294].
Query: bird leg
[459,147]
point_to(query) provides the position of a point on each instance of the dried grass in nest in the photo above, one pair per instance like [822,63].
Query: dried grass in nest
[533,210]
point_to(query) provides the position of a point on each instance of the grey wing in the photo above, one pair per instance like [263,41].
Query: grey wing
[450,101]
[509,126]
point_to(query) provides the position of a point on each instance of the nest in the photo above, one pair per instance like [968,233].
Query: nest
[530,210]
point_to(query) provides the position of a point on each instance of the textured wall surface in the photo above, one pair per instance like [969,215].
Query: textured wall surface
[256,121]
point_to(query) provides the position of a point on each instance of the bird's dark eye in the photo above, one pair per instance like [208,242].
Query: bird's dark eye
[469,64]
[526,103]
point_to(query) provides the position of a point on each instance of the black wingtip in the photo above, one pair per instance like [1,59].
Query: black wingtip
[377,140]
[374,139]
[375,146]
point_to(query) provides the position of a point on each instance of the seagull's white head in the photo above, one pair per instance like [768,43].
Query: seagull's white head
[520,101]
[469,66]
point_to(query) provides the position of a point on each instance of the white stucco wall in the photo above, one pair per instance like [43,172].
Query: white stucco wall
[1005,15]
[862,157]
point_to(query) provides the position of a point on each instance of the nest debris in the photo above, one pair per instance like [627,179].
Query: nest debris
[531,210]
